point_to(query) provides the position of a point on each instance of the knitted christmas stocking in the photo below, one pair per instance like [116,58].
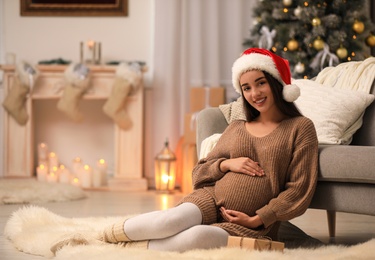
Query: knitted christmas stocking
[127,79]
[77,78]
[14,102]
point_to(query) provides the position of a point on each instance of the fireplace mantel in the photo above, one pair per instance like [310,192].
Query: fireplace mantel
[18,140]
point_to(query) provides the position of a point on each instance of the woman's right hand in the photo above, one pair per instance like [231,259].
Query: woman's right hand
[242,165]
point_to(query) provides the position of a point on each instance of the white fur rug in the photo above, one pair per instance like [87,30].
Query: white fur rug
[34,229]
[22,191]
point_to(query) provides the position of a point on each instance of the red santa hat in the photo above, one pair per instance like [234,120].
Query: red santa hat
[265,60]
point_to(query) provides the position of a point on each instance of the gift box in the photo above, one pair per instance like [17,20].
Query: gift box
[202,97]
[260,244]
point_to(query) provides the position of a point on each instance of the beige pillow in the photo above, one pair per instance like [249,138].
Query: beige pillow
[336,113]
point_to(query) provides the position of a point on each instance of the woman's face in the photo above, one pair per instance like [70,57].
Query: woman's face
[257,91]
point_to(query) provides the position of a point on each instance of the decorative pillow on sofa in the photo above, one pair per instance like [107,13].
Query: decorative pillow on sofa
[336,113]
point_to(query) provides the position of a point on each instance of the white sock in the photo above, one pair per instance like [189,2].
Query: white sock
[197,237]
[162,224]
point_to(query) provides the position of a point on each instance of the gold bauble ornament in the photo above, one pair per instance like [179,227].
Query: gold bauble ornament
[287,2]
[342,52]
[370,40]
[318,44]
[316,21]
[292,45]
[358,27]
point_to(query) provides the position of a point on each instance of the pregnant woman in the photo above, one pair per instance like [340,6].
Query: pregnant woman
[261,171]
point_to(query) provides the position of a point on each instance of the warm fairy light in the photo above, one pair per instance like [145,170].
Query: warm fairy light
[285,49]
[62,167]
[349,58]
[41,166]
[306,4]
[86,167]
[102,161]
[54,168]
[52,154]
[354,36]
[285,10]
[274,49]
[353,54]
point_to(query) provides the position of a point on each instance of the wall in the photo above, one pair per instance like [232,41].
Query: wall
[44,38]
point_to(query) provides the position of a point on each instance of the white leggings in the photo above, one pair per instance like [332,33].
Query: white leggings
[175,229]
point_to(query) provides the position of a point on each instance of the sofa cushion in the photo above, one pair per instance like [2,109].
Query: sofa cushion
[336,113]
[347,163]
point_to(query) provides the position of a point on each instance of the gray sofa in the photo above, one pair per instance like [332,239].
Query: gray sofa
[346,172]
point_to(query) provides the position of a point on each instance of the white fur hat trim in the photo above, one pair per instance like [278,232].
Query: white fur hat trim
[257,61]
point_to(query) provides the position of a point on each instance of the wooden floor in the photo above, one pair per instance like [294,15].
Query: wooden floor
[351,228]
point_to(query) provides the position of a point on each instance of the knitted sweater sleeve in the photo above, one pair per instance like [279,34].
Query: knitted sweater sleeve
[207,171]
[300,182]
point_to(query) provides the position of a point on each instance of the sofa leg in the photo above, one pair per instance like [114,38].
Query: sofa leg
[331,217]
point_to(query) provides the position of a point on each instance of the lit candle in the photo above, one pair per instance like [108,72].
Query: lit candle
[91,45]
[102,168]
[85,176]
[64,175]
[53,160]
[41,172]
[96,178]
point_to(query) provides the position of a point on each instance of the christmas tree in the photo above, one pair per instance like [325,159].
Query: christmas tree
[313,34]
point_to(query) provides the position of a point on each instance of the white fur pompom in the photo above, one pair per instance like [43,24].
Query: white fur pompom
[131,72]
[27,73]
[291,92]
[78,75]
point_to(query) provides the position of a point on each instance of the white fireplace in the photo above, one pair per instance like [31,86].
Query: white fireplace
[96,137]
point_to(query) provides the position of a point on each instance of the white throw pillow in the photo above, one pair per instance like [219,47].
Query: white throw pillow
[336,113]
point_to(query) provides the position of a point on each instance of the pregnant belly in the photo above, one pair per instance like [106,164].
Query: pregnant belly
[243,192]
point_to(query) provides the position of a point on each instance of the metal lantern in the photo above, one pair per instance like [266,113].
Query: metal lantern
[165,169]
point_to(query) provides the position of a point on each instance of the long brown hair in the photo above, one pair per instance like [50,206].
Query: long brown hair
[287,108]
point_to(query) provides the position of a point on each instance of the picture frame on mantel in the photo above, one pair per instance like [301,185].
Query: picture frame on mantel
[74,7]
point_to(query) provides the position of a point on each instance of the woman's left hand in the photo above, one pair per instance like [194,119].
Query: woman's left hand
[241,218]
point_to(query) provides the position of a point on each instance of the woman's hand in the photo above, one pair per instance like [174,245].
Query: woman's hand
[242,165]
[240,218]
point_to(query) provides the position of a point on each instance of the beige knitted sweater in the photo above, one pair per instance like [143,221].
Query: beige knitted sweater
[289,157]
